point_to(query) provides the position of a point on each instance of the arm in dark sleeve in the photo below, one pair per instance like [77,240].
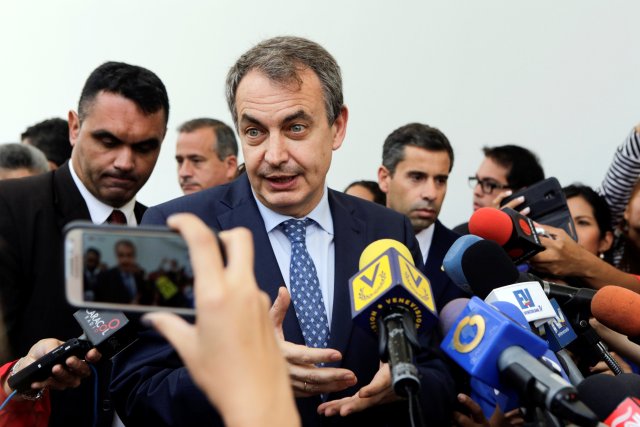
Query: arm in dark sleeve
[150,386]
[154,216]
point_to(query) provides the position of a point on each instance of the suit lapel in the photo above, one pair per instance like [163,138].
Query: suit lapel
[243,212]
[69,203]
[348,237]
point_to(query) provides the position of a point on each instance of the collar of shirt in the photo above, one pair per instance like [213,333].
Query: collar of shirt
[319,244]
[99,211]
[424,240]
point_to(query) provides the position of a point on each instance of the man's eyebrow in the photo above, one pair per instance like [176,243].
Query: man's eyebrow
[105,134]
[248,118]
[300,114]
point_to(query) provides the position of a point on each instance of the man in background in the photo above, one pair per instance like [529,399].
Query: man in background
[116,134]
[52,138]
[416,162]
[18,161]
[503,171]
[207,154]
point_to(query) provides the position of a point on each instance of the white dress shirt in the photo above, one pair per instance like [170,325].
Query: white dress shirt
[424,240]
[99,211]
[320,245]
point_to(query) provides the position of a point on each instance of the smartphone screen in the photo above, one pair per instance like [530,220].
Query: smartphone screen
[127,268]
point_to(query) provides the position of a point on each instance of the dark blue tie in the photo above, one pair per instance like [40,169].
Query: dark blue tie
[305,287]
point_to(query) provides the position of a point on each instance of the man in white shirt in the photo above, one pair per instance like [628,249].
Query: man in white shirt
[416,162]
[116,136]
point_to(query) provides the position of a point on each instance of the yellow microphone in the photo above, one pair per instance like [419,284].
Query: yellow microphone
[391,298]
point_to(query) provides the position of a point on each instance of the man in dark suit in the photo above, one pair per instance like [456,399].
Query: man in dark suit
[285,96]
[416,162]
[116,135]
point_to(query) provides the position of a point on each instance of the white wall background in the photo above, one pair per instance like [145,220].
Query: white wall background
[562,78]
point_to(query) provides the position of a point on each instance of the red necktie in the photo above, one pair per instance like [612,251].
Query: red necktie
[117,217]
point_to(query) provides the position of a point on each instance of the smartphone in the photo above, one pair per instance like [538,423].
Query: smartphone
[121,268]
[548,205]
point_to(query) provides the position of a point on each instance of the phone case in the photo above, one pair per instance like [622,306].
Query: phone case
[548,205]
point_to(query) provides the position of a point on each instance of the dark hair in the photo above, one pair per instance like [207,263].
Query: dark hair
[378,195]
[135,83]
[18,156]
[226,144]
[415,135]
[282,59]
[52,138]
[93,251]
[125,242]
[523,165]
[597,202]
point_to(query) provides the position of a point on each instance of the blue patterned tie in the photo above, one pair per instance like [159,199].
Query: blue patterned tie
[305,287]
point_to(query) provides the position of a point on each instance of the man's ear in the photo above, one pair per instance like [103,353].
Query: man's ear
[231,163]
[383,179]
[339,128]
[74,127]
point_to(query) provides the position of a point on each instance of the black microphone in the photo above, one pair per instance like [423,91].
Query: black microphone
[610,397]
[109,332]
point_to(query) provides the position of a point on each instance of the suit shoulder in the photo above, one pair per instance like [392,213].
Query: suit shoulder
[199,203]
[365,207]
[25,187]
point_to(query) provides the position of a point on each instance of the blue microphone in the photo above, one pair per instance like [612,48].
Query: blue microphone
[491,348]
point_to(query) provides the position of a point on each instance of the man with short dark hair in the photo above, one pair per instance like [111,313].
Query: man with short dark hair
[18,161]
[416,162]
[116,136]
[207,154]
[52,138]
[285,96]
[504,170]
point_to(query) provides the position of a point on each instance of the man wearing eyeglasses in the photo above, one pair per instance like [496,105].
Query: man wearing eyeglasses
[504,170]
[416,162]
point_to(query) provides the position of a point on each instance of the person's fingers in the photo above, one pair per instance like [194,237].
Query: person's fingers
[475,410]
[204,252]
[180,334]
[279,309]
[380,383]
[513,203]
[343,407]
[93,356]
[307,356]
[78,367]
[238,245]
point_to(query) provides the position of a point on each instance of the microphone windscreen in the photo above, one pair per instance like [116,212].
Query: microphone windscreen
[450,313]
[487,266]
[512,312]
[452,262]
[603,393]
[618,309]
[491,224]
[375,249]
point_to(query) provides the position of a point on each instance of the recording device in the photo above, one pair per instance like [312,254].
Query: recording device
[516,233]
[547,205]
[391,298]
[491,347]
[115,267]
[109,332]
[619,405]
[40,369]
